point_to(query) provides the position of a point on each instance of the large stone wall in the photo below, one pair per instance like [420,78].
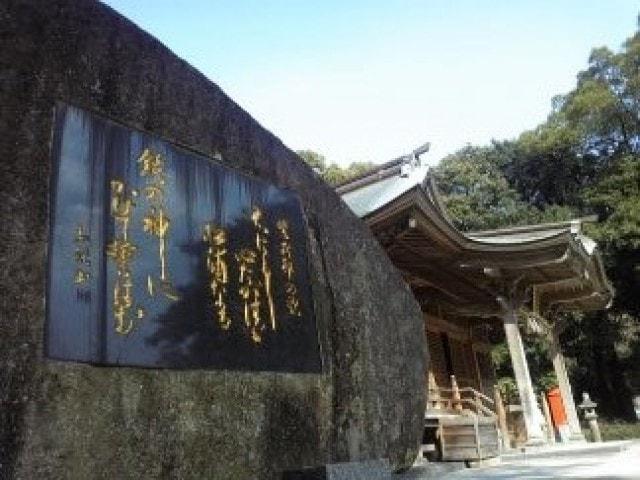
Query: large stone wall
[65,420]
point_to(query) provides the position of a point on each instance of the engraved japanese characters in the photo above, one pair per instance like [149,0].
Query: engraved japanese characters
[174,260]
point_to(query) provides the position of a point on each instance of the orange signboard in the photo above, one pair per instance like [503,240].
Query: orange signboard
[556,405]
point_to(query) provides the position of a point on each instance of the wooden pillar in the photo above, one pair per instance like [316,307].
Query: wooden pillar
[474,356]
[501,417]
[455,394]
[523,377]
[433,392]
[555,352]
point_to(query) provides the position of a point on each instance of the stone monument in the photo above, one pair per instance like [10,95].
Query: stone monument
[98,398]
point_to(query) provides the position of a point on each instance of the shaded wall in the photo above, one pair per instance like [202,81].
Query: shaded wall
[459,347]
[64,420]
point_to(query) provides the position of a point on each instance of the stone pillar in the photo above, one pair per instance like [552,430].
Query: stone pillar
[555,352]
[523,378]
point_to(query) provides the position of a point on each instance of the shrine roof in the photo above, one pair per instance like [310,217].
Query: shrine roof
[374,193]
[466,272]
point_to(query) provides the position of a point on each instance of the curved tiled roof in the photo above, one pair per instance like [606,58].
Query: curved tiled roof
[467,272]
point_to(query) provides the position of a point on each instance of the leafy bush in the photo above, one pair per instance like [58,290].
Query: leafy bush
[615,430]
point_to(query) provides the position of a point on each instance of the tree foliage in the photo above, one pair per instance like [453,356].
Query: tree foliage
[478,194]
[584,159]
[615,199]
[333,173]
[315,160]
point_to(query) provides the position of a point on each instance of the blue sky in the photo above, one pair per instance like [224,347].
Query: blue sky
[370,80]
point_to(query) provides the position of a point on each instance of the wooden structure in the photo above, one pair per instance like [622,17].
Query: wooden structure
[468,281]
[462,421]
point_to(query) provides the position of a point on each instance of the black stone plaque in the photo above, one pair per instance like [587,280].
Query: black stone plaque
[161,257]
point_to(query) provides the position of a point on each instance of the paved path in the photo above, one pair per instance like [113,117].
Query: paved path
[613,464]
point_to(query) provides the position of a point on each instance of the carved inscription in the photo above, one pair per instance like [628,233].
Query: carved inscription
[287,267]
[157,222]
[255,277]
[122,252]
[216,260]
[161,257]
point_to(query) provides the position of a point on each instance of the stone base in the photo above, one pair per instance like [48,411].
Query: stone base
[485,462]
[423,470]
[576,437]
[366,470]
[535,442]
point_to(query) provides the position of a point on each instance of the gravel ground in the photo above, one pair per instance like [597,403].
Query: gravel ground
[609,460]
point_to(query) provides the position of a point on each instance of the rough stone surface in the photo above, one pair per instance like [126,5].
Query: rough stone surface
[423,470]
[367,470]
[62,420]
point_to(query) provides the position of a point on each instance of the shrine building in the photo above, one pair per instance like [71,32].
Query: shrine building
[469,282]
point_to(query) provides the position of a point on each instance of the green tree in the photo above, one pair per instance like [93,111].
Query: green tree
[477,193]
[587,156]
[333,173]
[605,106]
[315,160]
[547,166]
[605,110]
[584,159]
[616,200]
[588,131]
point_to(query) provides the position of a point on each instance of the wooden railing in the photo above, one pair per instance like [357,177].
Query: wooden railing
[469,401]
[461,399]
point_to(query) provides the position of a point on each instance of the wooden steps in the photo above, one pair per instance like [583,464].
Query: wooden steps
[465,437]
[462,423]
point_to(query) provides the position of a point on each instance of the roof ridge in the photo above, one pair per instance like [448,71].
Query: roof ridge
[347,185]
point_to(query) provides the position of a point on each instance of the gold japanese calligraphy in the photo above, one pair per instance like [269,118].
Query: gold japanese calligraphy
[287,268]
[156,222]
[262,244]
[163,257]
[255,280]
[216,240]
[255,276]
[122,251]
[249,290]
